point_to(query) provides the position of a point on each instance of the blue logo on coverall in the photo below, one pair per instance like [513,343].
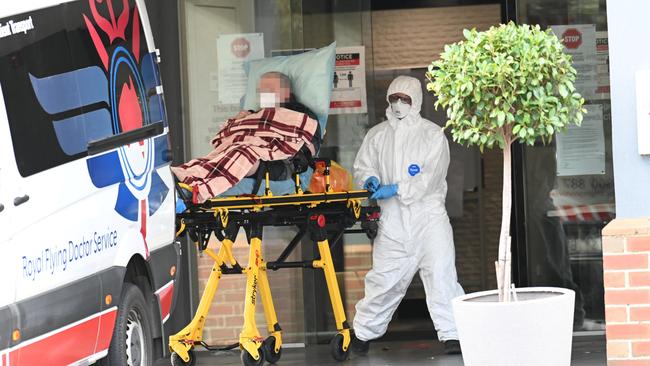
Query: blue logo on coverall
[414,170]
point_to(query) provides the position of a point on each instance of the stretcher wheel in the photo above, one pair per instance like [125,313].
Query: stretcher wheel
[268,348]
[248,360]
[336,348]
[178,361]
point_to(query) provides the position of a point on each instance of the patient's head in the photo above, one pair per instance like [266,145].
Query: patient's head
[274,89]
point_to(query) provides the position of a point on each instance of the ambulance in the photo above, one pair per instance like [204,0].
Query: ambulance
[87,254]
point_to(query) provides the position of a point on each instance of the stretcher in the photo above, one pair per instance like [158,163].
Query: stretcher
[323,217]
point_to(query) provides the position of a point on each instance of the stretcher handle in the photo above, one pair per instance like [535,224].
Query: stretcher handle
[185,191]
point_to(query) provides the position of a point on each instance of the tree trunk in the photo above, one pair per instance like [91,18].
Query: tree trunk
[504,237]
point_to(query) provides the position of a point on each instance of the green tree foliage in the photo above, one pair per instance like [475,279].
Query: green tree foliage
[512,82]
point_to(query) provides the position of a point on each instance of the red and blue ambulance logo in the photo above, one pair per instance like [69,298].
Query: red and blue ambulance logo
[124,85]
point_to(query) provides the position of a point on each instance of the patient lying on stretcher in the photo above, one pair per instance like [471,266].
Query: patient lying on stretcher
[281,136]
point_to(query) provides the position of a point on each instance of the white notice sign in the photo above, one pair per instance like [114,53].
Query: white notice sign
[349,93]
[602,65]
[232,51]
[580,42]
[581,149]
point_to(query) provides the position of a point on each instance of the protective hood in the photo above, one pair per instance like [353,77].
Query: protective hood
[413,88]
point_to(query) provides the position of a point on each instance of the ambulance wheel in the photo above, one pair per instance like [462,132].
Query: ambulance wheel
[132,342]
[336,348]
[178,361]
[268,347]
[248,360]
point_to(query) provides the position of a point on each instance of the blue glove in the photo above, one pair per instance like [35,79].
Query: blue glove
[371,184]
[385,191]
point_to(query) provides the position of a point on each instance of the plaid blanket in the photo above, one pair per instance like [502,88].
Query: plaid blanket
[270,134]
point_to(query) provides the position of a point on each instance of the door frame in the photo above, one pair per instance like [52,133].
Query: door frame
[247,19]
[517,218]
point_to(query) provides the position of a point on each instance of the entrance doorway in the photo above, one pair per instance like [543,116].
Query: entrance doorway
[474,180]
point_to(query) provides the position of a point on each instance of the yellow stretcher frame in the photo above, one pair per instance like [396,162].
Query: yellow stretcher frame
[250,340]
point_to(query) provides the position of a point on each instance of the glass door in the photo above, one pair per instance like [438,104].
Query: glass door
[568,185]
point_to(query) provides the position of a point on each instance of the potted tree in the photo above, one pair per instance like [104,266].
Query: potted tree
[511,83]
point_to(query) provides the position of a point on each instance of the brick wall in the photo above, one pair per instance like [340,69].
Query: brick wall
[626,265]
[358,261]
[467,234]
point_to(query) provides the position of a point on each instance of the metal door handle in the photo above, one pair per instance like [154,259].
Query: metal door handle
[20,200]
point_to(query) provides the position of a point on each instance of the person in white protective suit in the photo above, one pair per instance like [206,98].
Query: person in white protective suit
[404,161]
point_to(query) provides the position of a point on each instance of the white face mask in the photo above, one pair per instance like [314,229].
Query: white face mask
[268,100]
[400,109]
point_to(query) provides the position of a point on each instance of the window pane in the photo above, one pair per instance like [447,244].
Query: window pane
[57,88]
[569,184]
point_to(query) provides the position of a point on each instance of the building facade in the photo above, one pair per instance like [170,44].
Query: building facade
[566,192]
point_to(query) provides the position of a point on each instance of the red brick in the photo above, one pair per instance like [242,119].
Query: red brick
[625,261]
[356,292]
[222,309]
[640,313]
[354,262]
[628,331]
[628,363]
[627,297]
[640,349]
[205,267]
[232,285]
[239,307]
[614,279]
[223,334]
[638,244]
[638,279]
[352,300]
[234,296]
[354,285]
[234,321]
[616,314]
[216,321]
[618,349]
[613,244]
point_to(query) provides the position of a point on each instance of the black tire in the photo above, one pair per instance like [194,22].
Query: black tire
[336,348]
[248,360]
[132,342]
[178,361]
[268,348]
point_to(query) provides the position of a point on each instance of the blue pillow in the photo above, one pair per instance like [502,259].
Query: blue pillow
[311,75]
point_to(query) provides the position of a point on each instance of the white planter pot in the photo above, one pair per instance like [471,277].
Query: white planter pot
[536,330]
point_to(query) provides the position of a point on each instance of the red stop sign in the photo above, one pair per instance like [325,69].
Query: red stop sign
[572,38]
[240,47]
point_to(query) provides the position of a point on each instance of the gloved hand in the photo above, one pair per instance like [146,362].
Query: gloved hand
[385,191]
[371,184]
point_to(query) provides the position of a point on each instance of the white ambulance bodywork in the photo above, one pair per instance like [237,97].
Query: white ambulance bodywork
[58,229]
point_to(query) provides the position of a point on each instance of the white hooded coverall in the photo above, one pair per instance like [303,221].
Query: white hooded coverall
[414,229]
